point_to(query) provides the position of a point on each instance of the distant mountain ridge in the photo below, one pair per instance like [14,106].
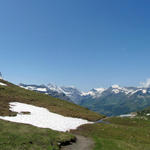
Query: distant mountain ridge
[111,101]
[117,100]
[49,90]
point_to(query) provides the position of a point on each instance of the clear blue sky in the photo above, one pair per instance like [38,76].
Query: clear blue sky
[85,43]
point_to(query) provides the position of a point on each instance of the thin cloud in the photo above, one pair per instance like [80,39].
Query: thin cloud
[145,84]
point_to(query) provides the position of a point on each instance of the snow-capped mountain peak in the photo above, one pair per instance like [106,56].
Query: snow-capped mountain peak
[95,92]
[100,89]
[118,89]
[127,90]
[115,86]
[54,88]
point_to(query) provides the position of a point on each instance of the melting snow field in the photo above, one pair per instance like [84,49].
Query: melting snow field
[128,115]
[42,118]
[2,84]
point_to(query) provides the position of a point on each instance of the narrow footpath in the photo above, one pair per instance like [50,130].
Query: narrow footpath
[82,143]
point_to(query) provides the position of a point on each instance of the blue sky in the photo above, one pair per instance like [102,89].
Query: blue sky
[85,43]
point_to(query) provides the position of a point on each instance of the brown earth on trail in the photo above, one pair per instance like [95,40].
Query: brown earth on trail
[82,143]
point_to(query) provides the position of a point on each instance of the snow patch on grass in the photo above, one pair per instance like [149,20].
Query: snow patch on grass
[43,118]
[128,115]
[3,84]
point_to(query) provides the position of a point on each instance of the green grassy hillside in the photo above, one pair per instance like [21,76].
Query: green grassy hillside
[13,93]
[120,134]
[144,113]
[14,136]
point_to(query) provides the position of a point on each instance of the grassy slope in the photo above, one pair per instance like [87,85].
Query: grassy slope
[144,113]
[13,93]
[121,134]
[14,136]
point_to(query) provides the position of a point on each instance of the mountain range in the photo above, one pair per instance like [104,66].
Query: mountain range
[111,101]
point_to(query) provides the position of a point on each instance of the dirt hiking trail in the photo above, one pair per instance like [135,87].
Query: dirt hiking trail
[82,143]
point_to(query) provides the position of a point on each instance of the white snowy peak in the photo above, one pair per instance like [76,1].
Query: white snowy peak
[71,90]
[117,89]
[96,92]
[115,86]
[55,88]
[128,91]
[40,88]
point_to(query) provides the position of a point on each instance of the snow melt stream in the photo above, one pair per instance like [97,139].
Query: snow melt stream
[43,118]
